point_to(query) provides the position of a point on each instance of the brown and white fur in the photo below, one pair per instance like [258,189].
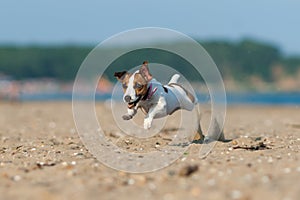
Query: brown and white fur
[153,98]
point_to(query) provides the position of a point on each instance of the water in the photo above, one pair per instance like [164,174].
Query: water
[282,98]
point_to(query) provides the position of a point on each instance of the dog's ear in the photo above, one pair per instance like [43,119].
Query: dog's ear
[120,75]
[144,70]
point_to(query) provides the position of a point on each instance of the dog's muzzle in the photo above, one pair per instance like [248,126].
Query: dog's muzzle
[132,103]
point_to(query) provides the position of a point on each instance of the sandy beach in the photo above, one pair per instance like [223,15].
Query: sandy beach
[42,157]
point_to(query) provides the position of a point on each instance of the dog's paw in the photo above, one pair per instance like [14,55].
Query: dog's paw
[147,123]
[127,117]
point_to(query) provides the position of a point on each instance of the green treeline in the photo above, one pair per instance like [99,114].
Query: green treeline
[251,58]
[237,60]
[35,62]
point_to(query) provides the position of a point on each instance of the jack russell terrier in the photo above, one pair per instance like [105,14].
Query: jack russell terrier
[142,91]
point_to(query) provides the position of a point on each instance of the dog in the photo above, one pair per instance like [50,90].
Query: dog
[143,91]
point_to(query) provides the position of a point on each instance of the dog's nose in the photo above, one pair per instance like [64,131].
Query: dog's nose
[127,98]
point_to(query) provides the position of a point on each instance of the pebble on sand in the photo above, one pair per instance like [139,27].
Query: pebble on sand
[140,180]
[265,179]
[52,125]
[16,178]
[211,182]
[236,194]
[195,191]
[43,164]
[287,170]
[234,142]
[73,162]
[188,170]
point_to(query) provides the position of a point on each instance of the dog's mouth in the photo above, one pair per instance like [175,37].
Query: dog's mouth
[133,103]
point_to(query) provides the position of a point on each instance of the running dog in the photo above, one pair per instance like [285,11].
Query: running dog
[142,91]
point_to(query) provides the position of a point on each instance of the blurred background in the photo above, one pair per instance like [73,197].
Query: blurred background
[255,44]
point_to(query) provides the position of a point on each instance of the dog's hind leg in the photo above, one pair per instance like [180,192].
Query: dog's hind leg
[217,133]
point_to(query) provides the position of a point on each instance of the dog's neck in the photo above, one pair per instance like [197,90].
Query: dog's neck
[150,92]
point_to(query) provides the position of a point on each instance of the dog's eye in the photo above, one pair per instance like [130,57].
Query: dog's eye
[138,86]
[124,86]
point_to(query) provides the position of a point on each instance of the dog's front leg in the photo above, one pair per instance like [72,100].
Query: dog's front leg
[130,114]
[157,110]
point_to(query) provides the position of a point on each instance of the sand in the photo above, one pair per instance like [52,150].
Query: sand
[42,157]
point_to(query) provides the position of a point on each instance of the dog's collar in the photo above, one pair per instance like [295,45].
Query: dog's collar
[150,92]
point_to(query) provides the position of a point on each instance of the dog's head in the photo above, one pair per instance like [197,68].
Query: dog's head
[135,86]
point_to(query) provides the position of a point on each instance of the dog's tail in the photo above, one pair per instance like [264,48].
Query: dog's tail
[199,133]
[174,79]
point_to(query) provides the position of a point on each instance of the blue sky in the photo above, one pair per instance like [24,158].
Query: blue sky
[91,21]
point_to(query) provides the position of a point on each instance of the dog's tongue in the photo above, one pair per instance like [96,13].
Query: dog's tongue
[130,105]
